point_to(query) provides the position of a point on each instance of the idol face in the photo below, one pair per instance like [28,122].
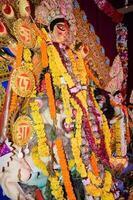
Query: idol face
[60,32]
[101,100]
[118,98]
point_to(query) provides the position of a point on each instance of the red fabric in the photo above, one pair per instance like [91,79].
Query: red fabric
[38,195]
[109,10]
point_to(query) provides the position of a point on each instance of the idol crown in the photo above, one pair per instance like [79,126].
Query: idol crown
[49,10]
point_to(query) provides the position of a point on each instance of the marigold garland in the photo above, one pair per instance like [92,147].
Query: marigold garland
[27,55]
[19,54]
[42,38]
[77,140]
[93,190]
[79,70]
[38,162]
[51,99]
[13,102]
[82,95]
[94,166]
[107,196]
[72,58]
[97,181]
[39,41]
[44,53]
[71,163]
[43,148]
[39,32]
[92,77]
[57,68]
[107,135]
[78,160]
[78,66]
[27,58]
[89,135]
[56,188]
[57,73]
[104,191]
[60,71]
[65,170]
[117,129]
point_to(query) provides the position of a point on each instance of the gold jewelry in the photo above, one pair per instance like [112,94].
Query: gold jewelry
[22,82]
[22,130]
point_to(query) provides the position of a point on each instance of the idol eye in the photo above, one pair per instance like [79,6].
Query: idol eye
[61,27]
[99,97]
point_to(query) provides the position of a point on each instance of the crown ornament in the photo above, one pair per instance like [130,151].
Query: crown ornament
[49,10]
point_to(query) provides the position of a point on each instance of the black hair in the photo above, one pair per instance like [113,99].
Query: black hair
[55,21]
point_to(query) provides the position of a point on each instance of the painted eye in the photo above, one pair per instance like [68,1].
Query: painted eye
[61,27]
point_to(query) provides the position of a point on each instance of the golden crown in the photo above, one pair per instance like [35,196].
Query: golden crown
[49,10]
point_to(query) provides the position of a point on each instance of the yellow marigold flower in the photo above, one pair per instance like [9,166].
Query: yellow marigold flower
[93,191]
[38,162]
[71,164]
[107,196]
[27,55]
[29,65]
[39,41]
[56,188]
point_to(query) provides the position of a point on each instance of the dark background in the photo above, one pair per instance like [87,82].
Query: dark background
[120,3]
[105,29]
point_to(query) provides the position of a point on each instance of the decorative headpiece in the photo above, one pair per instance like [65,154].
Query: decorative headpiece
[11,11]
[50,10]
